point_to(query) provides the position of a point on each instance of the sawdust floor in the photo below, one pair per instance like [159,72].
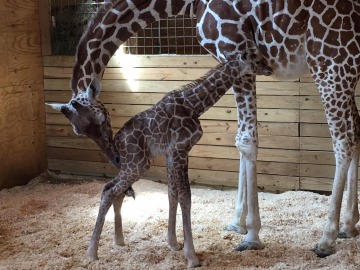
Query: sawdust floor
[48,223]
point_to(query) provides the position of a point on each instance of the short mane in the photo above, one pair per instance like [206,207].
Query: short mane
[197,81]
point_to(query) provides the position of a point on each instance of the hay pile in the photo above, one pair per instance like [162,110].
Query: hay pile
[48,223]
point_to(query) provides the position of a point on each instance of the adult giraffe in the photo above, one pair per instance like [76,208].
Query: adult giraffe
[292,37]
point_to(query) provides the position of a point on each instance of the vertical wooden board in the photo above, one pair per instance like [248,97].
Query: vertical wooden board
[22,15]
[24,48]
[22,117]
[45,26]
[4,67]
[18,147]
[39,130]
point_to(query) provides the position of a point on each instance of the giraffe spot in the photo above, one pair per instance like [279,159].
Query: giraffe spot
[337,23]
[230,30]
[329,16]
[95,55]
[264,51]
[97,68]
[244,6]
[291,44]
[277,36]
[111,47]
[224,11]
[314,48]
[105,59]
[261,9]
[318,7]
[109,32]
[318,28]
[88,68]
[209,27]
[210,47]
[282,21]
[344,7]
[147,17]
[98,32]
[355,17]
[283,56]
[123,34]
[110,18]
[135,26]
[94,44]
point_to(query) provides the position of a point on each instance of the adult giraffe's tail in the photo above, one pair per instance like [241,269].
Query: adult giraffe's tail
[111,26]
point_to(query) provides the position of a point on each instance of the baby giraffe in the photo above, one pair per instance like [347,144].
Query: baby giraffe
[171,128]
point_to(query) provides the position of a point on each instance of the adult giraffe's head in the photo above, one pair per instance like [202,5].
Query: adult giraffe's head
[89,117]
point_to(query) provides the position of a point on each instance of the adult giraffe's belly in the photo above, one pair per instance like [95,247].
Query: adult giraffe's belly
[291,70]
[287,59]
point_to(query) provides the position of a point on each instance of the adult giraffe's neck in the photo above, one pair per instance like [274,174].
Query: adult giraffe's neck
[112,25]
[205,92]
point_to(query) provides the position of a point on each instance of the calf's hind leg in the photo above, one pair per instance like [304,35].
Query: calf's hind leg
[119,236]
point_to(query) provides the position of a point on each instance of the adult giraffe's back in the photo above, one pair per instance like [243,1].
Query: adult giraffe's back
[292,36]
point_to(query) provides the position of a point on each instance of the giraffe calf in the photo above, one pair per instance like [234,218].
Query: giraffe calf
[171,127]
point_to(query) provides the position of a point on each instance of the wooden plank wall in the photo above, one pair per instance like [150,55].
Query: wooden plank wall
[295,148]
[22,115]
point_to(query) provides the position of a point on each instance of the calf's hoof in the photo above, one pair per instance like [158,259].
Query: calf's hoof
[245,245]
[323,252]
[234,228]
[193,263]
[92,255]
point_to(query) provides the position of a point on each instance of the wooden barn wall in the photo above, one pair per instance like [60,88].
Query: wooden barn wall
[295,148]
[22,114]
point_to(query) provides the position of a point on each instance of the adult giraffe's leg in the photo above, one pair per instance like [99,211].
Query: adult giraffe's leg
[335,67]
[343,120]
[239,222]
[352,210]
[247,208]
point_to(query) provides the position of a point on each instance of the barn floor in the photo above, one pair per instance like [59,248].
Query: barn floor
[47,225]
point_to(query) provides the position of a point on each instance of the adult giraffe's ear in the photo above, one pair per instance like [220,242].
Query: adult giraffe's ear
[63,108]
[93,90]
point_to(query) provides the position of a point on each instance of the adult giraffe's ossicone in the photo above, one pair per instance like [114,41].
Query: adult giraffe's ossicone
[322,36]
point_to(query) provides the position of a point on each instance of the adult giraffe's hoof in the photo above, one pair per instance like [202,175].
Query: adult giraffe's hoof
[245,245]
[234,228]
[345,235]
[322,252]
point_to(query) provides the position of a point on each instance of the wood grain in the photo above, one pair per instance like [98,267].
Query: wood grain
[22,113]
